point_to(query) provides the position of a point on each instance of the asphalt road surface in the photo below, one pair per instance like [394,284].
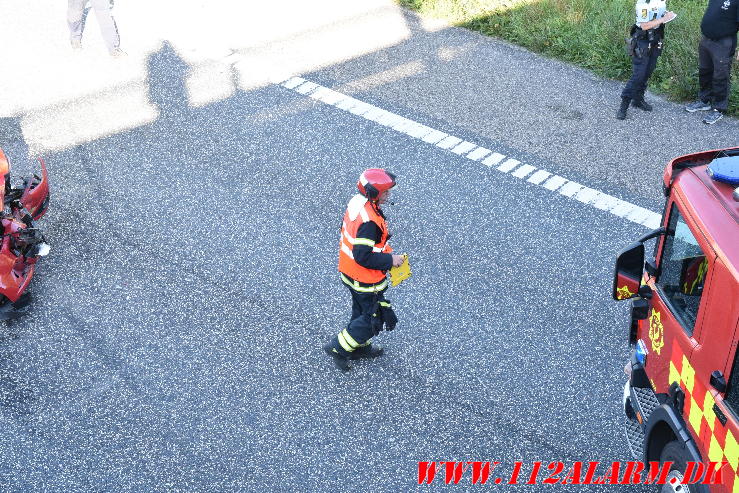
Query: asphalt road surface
[175,338]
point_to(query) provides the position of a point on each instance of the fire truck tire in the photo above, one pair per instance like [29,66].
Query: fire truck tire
[675,452]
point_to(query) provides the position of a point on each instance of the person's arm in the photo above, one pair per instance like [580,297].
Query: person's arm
[646,26]
[368,235]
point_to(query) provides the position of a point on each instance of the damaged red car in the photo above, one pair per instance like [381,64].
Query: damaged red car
[22,242]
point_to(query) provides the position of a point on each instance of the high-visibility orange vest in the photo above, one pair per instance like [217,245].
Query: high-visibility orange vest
[358,212]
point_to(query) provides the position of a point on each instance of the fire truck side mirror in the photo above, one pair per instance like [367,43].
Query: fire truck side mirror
[718,381]
[628,272]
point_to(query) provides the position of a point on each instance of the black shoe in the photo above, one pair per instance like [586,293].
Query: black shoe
[621,113]
[371,351]
[641,104]
[341,362]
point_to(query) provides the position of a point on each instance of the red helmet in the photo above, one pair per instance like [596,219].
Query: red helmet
[373,181]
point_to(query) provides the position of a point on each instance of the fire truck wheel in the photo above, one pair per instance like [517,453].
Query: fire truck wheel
[675,452]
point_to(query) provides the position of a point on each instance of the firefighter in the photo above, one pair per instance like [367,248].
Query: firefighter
[364,258]
[645,46]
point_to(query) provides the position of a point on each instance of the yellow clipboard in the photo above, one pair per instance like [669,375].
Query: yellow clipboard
[400,273]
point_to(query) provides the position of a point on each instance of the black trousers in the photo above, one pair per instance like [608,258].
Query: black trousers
[641,69]
[714,70]
[366,322]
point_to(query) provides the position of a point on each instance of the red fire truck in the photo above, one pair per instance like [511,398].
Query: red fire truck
[682,395]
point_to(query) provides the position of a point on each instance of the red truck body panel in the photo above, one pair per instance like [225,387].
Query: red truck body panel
[688,355]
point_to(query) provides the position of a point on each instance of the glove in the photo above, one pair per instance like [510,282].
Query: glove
[376,323]
[388,315]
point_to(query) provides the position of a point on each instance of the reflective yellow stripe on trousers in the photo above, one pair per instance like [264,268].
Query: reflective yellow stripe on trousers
[364,289]
[347,341]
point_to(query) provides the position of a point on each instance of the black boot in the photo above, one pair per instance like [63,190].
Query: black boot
[369,351]
[621,114]
[641,104]
[341,362]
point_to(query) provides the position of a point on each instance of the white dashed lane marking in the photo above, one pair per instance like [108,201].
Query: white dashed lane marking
[493,159]
[539,177]
[478,153]
[470,150]
[508,165]
[523,171]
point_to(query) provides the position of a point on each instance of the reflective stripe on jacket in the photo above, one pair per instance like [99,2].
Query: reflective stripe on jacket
[358,212]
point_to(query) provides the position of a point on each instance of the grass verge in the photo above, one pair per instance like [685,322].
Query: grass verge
[588,33]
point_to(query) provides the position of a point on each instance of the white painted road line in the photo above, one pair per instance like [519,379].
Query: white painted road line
[332,97]
[419,131]
[622,208]
[470,150]
[554,183]
[464,148]
[570,188]
[449,142]
[605,202]
[320,92]
[346,104]
[493,159]
[402,124]
[375,114]
[523,171]
[306,87]
[359,108]
[539,177]
[435,137]
[293,83]
[391,120]
[586,195]
[478,153]
[508,165]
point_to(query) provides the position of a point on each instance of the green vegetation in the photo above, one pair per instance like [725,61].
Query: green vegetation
[589,33]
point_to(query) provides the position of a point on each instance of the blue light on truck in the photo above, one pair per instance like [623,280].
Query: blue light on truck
[641,352]
[725,169]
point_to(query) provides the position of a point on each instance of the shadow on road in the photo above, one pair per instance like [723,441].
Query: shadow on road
[175,341]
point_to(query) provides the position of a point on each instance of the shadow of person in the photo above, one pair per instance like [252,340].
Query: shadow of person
[166,76]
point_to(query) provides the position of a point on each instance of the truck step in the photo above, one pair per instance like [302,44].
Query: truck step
[644,402]
[635,438]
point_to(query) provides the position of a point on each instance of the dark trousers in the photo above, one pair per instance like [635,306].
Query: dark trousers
[641,69]
[714,70]
[364,323]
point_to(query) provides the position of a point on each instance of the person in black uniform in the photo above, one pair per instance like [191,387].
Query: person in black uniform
[647,35]
[715,52]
